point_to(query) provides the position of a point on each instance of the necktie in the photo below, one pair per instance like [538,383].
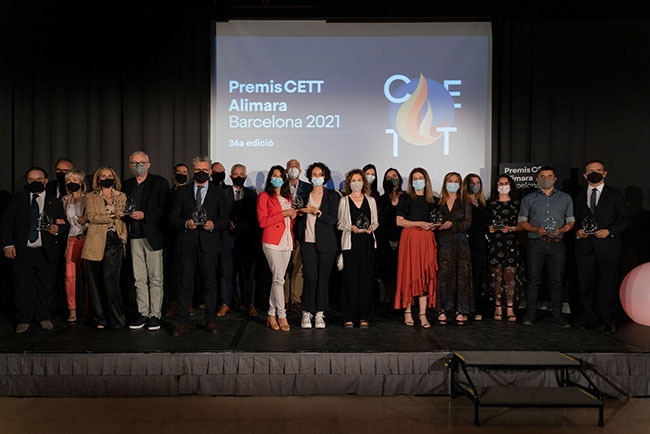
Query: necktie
[592,200]
[198,196]
[33,219]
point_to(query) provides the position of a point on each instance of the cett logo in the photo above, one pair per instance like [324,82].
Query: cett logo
[421,110]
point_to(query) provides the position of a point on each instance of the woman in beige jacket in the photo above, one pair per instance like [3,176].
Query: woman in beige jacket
[104,249]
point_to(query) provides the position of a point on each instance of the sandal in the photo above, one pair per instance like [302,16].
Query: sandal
[510,313]
[460,319]
[408,319]
[498,313]
[425,323]
[442,319]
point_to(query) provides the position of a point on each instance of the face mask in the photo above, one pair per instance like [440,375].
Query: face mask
[419,184]
[277,182]
[60,178]
[35,187]
[73,186]
[474,188]
[218,177]
[356,185]
[139,169]
[370,178]
[452,187]
[180,178]
[107,183]
[595,177]
[238,181]
[390,184]
[200,177]
[504,189]
[546,183]
[318,181]
[293,173]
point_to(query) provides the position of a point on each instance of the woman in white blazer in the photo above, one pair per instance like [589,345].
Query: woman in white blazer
[357,219]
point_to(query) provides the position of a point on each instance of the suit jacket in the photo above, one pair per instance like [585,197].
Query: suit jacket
[269,214]
[15,225]
[183,205]
[99,220]
[244,214]
[155,205]
[611,213]
[325,234]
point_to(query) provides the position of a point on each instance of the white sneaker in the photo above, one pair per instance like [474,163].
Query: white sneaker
[306,320]
[319,323]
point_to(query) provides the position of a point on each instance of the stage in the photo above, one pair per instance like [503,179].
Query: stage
[247,358]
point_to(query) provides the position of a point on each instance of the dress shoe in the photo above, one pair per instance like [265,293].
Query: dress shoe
[181,329]
[22,327]
[284,324]
[171,310]
[46,324]
[251,311]
[272,323]
[296,307]
[560,322]
[223,310]
[211,327]
[610,329]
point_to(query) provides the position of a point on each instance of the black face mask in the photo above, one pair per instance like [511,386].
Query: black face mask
[200,177]
[107,183]
[238,181]
[35,187]
[60,178]
[180,178]
[595,177]
[73,186]
[218,177]
[390,184]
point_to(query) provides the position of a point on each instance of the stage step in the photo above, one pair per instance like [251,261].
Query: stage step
[517,359]
[537,397]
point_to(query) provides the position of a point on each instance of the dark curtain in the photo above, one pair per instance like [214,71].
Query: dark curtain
[96,88]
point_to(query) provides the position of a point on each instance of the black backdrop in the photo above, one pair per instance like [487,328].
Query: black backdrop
[98,86]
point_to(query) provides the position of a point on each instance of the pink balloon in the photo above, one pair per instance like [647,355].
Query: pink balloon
[635,294]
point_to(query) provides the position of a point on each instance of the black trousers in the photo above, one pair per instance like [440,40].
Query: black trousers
[598,277]
[208,266]
[316,269]
[104,292]
[34,285]
[237,260]
[552,255]
[358,268]
[477,258]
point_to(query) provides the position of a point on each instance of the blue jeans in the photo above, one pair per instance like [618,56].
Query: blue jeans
[553,255]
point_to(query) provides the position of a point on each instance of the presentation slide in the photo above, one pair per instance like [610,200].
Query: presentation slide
[399,95]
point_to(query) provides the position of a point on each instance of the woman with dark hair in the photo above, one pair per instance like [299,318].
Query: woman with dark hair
[370,172]
[454,267]
[417,263]
[357,220]
[388,233]
[276,217]
[503,252]
[318,244]
[104,249]
[477,237]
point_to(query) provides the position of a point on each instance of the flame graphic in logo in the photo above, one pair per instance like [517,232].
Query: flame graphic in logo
[409,122]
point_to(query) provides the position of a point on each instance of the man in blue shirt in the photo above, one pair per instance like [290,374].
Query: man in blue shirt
[546,214]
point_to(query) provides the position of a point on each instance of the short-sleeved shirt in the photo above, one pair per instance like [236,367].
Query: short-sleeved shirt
[415,210]
[538,208]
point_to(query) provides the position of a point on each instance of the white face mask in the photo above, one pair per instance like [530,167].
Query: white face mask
[293,173]
[356,185]
[370,178]
[504,189]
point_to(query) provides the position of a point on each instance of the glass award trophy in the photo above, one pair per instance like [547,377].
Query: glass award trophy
[44,222]
[550,225]
[498,222]
[297,202]
[436,217]
[129,207]
[362,223]
[199,216]
[589,225]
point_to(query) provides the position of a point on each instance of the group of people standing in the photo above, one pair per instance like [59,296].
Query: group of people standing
[427,251]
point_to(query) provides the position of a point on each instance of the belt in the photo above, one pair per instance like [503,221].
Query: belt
[549,239]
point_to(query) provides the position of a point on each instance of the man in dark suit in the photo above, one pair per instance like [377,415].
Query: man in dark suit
[34,253]
[602,216]
[150,194]
[57,187]
[293,281]
[199,242]
[240,243]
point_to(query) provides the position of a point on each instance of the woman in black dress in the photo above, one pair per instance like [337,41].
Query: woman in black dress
[388,233]
[503,253]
